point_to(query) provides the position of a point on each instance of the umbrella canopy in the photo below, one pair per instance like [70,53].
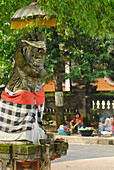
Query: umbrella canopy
[32,14]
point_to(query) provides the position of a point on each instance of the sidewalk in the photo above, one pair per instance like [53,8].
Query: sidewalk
[87,140]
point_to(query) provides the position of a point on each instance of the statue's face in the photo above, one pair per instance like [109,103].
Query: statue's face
[34,55]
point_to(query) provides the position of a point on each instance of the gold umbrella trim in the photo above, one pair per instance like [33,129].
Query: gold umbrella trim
[27,23]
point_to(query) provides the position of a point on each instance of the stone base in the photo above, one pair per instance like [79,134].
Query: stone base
[20,156]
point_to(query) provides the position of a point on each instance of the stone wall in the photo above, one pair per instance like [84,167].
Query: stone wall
[77,100]
[84,99]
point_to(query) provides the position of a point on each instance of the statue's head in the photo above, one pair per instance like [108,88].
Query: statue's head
[34,49]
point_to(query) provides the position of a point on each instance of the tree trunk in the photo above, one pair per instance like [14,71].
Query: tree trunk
[59,95]
[58,87]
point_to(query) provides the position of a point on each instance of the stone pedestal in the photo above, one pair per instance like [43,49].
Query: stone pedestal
[14,156]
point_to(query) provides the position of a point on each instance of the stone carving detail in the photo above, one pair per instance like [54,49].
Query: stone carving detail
[29,73]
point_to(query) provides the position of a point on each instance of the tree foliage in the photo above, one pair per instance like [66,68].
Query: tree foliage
[93,17]
[91,58]
[8,37]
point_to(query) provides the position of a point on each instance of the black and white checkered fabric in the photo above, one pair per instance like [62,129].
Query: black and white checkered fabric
[18,117]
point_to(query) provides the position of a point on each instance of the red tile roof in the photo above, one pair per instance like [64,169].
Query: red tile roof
[49,87]
[102,85]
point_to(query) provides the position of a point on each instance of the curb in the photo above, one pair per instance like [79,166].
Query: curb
[87,140]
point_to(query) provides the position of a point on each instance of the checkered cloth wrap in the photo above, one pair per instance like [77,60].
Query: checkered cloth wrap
[18,117]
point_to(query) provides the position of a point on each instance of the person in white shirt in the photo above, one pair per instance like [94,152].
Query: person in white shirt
[107,126]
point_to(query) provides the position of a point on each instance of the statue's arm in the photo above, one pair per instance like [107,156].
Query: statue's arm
[23,65]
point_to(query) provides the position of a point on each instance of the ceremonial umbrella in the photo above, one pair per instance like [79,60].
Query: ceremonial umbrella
[33,14]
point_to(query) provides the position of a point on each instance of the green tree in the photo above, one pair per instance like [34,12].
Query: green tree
[8,37]
[54,63]
[91,58]
[93,17]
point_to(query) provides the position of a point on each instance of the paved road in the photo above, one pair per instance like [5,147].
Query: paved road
[86,151]
[87,157]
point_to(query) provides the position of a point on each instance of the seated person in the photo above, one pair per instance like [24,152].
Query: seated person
[112,122]
[76,123]
[107,126]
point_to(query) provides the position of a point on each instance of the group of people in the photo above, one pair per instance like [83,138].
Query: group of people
[77,123]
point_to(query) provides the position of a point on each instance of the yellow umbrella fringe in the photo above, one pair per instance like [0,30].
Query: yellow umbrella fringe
[41,22]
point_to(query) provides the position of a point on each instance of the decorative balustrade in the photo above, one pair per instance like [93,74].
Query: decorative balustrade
[101,104]
[66,110]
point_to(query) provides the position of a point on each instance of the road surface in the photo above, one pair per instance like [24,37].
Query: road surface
[86,157]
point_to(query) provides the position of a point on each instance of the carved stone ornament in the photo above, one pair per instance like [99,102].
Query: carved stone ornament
[29,73]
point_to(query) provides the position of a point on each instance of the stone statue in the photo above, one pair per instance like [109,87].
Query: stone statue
[29,72]
[22,101]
